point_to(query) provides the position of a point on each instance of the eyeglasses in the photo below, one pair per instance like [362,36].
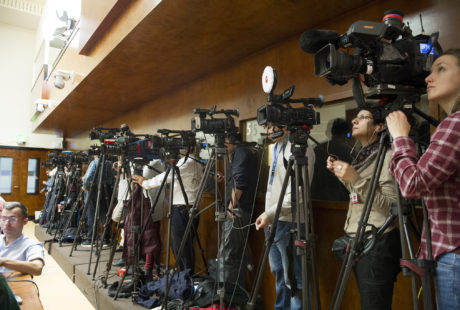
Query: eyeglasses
[361,117]
[11,219]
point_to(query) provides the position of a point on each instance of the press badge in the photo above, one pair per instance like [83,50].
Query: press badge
[353,198]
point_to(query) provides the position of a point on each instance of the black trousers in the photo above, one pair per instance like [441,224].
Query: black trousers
[179,220]
[234,258]
[376,272]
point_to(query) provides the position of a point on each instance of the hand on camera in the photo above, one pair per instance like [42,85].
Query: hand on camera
[263,221]
[397,124]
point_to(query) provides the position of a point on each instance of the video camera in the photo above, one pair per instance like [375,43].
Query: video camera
[55,159]
[279,111]
[218,126]
[386,53]
[166,146]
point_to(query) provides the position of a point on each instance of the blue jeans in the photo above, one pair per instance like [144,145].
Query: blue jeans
[279,264]
[448,282]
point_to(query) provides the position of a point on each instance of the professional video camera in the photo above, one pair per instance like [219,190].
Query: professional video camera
[279,111]
[214,125]
[55,159]
[166,146]
[386,53]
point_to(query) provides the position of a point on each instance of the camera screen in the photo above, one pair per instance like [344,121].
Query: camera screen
[425,48]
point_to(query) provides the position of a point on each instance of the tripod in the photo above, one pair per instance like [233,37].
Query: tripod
[68,209]
[305,243]
[425,269]
[98,175]
[57,192]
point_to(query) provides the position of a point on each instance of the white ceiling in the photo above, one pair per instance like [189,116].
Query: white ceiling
[21,13]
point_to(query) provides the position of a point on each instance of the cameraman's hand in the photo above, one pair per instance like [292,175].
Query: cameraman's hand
[262,221]
[330,163]
[138,179]
[344,171]
[397,124]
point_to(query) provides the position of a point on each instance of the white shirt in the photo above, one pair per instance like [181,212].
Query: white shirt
[274,189]
[23,249]
[191,173]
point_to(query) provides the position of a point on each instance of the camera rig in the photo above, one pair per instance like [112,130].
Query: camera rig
[279,111]
[220,127]
[393,62]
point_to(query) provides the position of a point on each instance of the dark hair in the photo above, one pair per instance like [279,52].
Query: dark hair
[15,204]
[377,114]
[340,127]
[235,138]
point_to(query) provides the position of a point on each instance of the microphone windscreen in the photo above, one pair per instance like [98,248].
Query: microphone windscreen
[314,39]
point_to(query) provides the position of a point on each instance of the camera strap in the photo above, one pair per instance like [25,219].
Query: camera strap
[275,159]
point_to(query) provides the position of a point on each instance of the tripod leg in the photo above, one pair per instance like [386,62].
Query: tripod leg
[107,223]
[96,212]
[269,241]
[85,208]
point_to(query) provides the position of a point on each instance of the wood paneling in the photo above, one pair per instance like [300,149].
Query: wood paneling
[178,42]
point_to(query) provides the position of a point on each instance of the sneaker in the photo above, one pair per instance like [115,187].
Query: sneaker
[119,248]
[86,243]
[119,263]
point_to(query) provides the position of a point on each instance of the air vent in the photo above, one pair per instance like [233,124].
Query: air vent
[29,7]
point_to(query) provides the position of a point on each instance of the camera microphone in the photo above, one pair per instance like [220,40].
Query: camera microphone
[314,39]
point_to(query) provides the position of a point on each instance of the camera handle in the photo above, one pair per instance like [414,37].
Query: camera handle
[305,248]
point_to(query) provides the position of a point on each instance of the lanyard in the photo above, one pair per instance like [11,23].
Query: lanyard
[275,161]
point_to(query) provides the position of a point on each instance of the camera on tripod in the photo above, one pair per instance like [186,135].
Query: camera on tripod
[214,125]
[279,111]
[386,53]
[54,159]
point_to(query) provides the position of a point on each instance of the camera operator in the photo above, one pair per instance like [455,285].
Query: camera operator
[436,175]
[241,186]
[106,191]
[191,173]
[285,267]
[376,270]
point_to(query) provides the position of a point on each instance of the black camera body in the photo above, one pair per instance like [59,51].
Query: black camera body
[279,112]
[217,126]
[385,53]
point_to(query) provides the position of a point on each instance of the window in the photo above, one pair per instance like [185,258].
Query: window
[33,172]
[6,175]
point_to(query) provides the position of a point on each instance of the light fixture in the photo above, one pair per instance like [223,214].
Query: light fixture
[60,76]
[41,104]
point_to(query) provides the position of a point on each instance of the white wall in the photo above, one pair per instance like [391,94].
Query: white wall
[17,48]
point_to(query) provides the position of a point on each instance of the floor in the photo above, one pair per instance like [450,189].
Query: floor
[57,291]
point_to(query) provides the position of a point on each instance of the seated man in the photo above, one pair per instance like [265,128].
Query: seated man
[18,252]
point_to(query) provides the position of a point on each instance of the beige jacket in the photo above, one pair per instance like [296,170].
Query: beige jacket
[385,195]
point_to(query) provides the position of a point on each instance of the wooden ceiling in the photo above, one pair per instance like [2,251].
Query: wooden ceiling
[178,42]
